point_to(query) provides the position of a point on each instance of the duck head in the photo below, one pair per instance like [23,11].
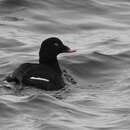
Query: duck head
[49,50]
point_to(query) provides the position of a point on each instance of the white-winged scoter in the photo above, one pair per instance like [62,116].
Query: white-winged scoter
[46,74]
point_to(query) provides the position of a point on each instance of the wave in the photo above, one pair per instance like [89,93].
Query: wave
[13,3]
[97,76]
[89,6]
[94,60]
[15,99]
[95,67]
[125,54]
[60,16]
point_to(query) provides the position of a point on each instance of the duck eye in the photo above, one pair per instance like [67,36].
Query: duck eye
[56,44]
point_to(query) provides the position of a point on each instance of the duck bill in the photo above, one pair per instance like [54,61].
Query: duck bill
[71,50]
[68,50]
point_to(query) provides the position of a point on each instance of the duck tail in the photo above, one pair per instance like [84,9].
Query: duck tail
[10,78]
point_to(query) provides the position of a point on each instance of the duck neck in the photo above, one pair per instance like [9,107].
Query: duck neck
[51,62]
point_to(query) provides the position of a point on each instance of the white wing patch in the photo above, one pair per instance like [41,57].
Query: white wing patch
[38,78]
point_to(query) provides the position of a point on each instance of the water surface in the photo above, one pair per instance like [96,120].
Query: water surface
[100,31]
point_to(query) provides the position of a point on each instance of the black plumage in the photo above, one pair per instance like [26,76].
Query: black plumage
[46,74]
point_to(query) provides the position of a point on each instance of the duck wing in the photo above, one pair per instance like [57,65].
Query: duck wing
[39,76]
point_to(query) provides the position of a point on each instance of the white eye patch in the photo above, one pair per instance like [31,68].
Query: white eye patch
[56,44]
[38,78]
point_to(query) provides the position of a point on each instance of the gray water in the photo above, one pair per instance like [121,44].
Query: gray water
[100,31]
